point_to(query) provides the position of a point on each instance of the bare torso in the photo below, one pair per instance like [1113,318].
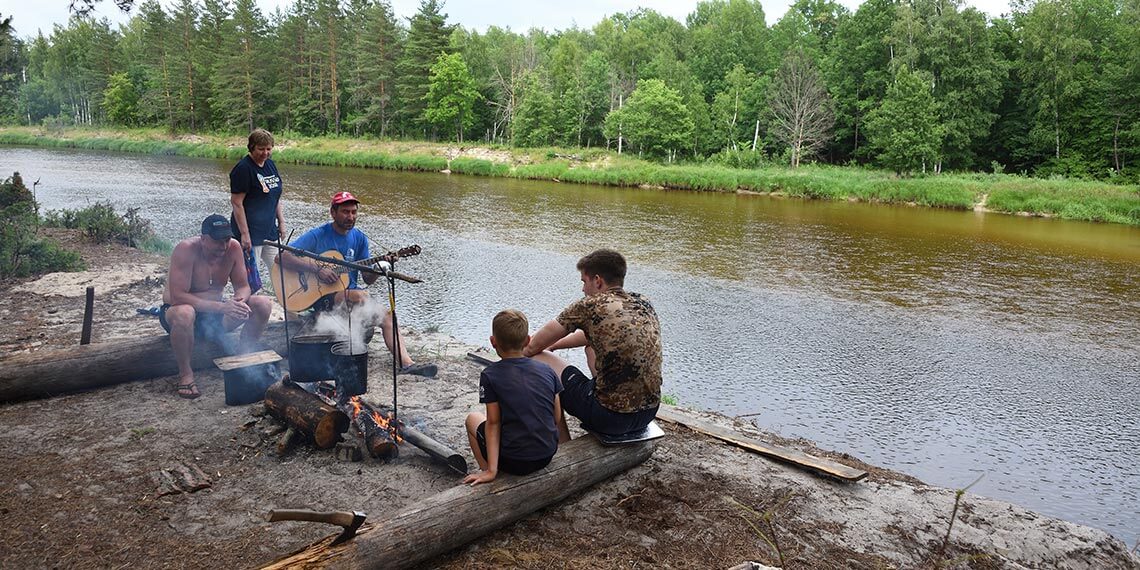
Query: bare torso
[207,274]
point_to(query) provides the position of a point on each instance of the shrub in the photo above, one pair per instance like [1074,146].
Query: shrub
[102,224]
[22,253]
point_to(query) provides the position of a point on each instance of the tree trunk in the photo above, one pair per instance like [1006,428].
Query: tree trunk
[50,372]
[307,413]
[453,518]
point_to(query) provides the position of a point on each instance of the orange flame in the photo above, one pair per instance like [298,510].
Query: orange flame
[381,421]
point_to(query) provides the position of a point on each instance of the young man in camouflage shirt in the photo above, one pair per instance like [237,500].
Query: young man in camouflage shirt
[622,339]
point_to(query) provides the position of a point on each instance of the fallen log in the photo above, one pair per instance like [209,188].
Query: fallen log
[306,413]
[450,519]
[51,372]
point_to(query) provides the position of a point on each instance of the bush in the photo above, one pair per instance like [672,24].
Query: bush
[22,253]
[102,225]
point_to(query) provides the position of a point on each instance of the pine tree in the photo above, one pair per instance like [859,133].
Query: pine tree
[241,80]
[427,40]
[375,70]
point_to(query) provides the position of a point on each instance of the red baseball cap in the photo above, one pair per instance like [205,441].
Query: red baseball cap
[342,197]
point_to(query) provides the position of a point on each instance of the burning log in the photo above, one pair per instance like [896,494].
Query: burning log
[379,436]
[47,373]
[433,448]
[431,527]
[307,413]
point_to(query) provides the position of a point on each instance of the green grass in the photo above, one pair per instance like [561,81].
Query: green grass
[1070,199]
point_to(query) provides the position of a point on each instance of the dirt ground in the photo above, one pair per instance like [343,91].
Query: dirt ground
[82,479]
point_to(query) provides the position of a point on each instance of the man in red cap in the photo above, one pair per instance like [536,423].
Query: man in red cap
[341,235]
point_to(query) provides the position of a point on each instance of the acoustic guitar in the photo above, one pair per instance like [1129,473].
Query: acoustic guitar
[303,288]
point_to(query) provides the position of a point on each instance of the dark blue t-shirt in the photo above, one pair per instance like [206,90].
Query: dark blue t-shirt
[353,246]
[524,389]
[262,188]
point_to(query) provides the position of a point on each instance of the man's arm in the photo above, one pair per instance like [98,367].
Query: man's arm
[546,336]
[298,263]
[368,277]
[573,340]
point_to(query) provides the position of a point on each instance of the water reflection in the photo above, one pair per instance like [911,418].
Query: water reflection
[944,344]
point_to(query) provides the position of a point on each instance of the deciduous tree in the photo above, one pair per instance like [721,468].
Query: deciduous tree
[451,95]
[801,107]
[904,130]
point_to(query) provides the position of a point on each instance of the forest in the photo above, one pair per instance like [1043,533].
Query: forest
[1051,89]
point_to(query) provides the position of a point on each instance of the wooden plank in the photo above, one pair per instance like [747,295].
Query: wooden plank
[460,514]
[227,363]
[674,415]
[797,458]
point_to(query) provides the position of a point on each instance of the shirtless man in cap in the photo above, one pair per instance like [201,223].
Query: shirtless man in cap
[193,306]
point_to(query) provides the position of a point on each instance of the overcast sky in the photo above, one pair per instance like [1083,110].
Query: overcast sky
[518,15]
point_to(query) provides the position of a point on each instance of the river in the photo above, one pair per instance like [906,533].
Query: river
[947,345]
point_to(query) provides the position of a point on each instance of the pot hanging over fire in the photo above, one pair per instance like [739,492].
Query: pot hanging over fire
[349,363]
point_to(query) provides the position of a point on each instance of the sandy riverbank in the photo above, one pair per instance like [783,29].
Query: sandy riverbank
[79,486]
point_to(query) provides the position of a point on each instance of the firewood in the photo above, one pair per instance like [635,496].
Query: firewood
[348,452]
[286,442]
[374,429]
[312,417]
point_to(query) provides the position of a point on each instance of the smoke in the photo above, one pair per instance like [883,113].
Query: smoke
[355,326]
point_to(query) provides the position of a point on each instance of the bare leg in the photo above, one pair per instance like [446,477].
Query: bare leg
[181,319]
[389,341]
[473,421]
[552,360]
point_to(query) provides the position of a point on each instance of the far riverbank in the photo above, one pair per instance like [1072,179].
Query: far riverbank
[1001,193]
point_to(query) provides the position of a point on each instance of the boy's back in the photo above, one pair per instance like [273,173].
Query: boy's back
[524,389]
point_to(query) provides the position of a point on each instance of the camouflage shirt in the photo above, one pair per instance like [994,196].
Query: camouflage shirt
[622,328]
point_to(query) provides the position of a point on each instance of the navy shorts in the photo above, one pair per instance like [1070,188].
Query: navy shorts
[578,400]
[506,464]
[206,325]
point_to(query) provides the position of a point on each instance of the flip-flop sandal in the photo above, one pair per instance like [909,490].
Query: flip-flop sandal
[191,388]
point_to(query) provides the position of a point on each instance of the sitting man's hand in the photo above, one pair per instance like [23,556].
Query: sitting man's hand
[326,275]
[480,477]
[236,309]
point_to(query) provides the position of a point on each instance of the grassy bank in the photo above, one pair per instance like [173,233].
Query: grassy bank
[1070,199]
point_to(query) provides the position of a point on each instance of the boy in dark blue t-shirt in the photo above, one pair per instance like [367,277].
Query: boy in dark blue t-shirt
[518,434]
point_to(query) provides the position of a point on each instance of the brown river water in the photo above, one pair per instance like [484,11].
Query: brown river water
[948,345]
